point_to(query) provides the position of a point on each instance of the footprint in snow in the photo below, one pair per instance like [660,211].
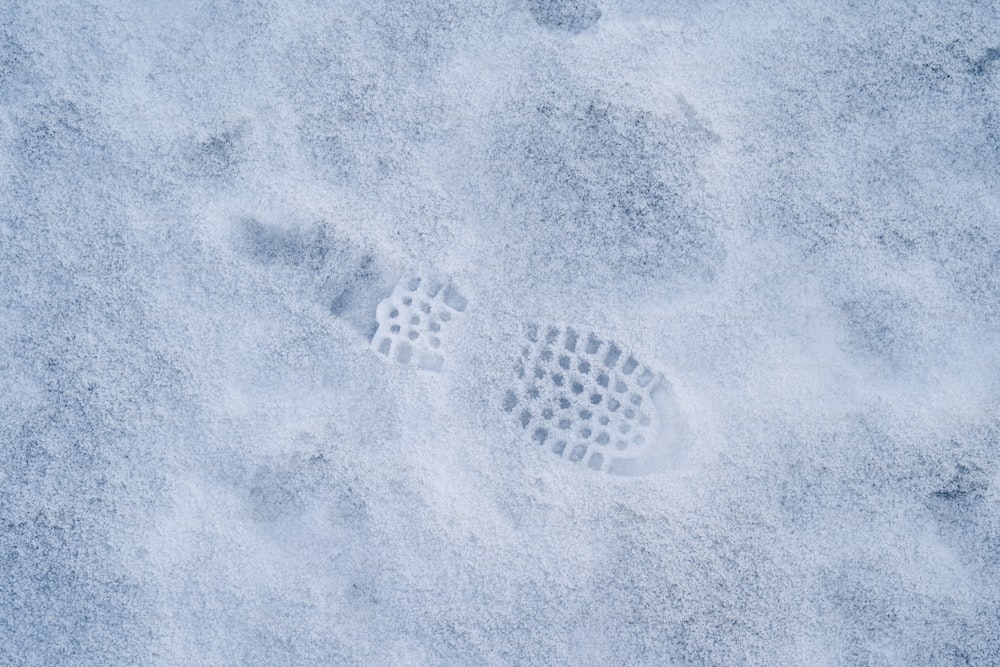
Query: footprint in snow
[588,401]
[412,323]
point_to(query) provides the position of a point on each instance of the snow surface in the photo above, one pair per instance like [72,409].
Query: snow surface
[791,211]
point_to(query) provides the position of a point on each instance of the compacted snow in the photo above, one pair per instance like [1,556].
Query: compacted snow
[518,332]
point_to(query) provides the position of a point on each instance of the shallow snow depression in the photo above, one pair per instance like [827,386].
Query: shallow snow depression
[535,332]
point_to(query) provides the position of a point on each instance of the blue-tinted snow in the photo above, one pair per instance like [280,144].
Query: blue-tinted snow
[791,211]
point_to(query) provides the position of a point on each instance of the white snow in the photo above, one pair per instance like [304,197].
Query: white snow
[790,212]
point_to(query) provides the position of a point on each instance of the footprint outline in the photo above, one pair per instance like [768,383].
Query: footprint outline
[588,400]
[413,320]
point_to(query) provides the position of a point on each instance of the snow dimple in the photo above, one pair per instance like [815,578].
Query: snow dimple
[563,395]
[566,16]
[412,322]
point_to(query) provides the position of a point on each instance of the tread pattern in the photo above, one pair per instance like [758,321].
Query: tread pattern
[412,321]
[583,398]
